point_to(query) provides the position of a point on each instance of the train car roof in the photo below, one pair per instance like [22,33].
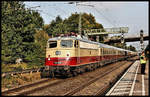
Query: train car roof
[101,45]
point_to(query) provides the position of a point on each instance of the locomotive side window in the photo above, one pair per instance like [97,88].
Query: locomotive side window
[52,44]
[66,43]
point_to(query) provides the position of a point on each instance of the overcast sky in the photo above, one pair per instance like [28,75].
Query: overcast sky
[110,14]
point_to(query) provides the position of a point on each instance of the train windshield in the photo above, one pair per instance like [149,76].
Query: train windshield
[66,43]
[52,44]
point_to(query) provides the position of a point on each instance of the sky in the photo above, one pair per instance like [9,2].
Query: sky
[110,14]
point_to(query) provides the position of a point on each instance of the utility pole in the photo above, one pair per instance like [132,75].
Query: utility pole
[80,26]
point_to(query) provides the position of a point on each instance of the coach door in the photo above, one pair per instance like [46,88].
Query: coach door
[77,51]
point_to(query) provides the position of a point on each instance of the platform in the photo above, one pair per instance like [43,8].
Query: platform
[132,83]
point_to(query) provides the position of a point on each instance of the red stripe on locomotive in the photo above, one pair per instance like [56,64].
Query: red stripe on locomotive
[77,60]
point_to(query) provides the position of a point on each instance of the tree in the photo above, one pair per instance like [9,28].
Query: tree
[18,28]
[71,23]
[132,48]
[57,26]
[11,39]
[41,38]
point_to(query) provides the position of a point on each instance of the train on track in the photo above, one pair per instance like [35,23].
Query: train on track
[69,56]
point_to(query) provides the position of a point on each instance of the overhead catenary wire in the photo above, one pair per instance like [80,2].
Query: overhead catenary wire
[101,14]
[107,10]
[116,19]
[57,8]
[108,20]
[41,11]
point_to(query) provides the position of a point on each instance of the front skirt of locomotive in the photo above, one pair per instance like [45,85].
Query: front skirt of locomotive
[60,66]
[51,71]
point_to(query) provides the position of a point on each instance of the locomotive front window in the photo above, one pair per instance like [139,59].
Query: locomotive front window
[52,44]
[66,43]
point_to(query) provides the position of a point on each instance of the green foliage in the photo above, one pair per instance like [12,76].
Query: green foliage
[41,38]
[131,48]
[19,26]
[70,24]
[19,68]
[11,39]
[57,26]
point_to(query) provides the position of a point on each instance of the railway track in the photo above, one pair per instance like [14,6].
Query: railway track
[27,89]
[100,91]
[78,88]
[125,85]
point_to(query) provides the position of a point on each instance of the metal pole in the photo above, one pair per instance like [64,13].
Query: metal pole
[141,40]
[122,38]
[79,27]
[97,38]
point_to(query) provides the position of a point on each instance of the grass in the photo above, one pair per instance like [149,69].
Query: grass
[18,67]
[13,81]
[13,67]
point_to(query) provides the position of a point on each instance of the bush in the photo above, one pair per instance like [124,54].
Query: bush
[19,68]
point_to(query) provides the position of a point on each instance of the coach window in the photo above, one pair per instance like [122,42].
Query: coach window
[103,51]
[107,51]
[52,44]
[100,51]
[66,43]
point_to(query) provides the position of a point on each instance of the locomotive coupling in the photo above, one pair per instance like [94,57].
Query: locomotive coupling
[66,68]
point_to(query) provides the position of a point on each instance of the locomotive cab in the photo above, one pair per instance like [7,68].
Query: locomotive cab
[61,52]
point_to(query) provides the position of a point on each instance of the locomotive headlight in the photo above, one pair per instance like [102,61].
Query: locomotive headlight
[68,54]
[49,57]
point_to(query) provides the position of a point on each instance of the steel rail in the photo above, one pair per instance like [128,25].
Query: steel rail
[105,87]
[90,82]
[24,87]
[33,86]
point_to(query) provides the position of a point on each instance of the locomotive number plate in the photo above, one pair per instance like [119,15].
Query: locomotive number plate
[57,62]
[57,52]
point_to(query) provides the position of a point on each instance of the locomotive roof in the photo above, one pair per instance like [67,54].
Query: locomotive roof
[101,45]
[73,38]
